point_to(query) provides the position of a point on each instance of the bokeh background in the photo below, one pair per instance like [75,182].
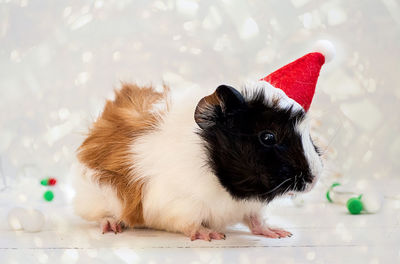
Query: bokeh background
[60,60]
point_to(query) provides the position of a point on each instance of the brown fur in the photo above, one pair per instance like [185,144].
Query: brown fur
[107,149]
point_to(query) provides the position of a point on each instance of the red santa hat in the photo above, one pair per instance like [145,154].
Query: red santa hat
[298,78]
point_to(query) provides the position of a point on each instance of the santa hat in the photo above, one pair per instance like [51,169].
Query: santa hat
[298,78]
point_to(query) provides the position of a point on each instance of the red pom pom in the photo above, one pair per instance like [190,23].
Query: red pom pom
[52,181]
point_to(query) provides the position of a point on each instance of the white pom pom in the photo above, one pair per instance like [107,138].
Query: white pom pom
[372,202]
[33,221]
[326,48]
[14,217]
[30,220]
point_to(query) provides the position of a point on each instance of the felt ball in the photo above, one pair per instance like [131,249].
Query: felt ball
[32,220]
[354,205]
[52,181]
[326,48]
[14,217]
[372,202]
[48,196]
[44,182]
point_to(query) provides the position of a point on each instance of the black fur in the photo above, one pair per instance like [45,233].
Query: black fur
[246,168]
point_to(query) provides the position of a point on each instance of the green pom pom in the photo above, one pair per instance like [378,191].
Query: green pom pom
[328,195]
[48,196]
[44,182]
[354,205]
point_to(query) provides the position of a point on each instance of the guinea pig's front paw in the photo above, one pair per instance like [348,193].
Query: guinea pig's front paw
[258,227]
[206,234]
[271,232]
[110,224]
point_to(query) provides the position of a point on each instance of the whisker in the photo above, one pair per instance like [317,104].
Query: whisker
[277,186]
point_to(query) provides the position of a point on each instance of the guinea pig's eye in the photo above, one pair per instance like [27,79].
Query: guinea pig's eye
[267,138]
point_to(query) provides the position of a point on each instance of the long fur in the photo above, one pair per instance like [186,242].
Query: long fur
[158,165]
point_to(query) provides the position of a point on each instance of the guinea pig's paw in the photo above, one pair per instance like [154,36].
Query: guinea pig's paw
[206,234]
[271,232]
[110,224]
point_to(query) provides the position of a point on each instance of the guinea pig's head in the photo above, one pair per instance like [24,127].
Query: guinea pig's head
[258,141]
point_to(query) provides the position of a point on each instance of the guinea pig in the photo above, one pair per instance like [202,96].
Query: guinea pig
[197,164]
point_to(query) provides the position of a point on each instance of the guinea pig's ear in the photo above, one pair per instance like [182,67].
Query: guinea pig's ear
[226,97]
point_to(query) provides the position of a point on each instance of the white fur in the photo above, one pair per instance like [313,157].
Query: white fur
[271,93]
[314,160]
[92,201]
[180,191]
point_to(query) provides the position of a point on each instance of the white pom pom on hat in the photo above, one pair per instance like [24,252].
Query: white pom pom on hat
[326,48]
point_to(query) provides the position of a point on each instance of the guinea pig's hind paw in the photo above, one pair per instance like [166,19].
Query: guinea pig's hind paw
[207,235]
[110,224]
[271,232]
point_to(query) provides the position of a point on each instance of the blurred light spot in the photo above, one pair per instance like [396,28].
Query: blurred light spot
[145,14]
[311,20]
[189,25]
[127,255]
[371,85]
[63,113]
[24,3]
[187,7]
[307,20]
[363,113]
[265,56]
[85,9]
[38,241]
[56,157]
[137,45]
[82,78]
[223,43]
[310,255]
[81,21]
[367,156]
[299,3]
[362,184]
[98,4]
[176,37]
[68,191]
[70,256]
[42,257]
[55,133]
[195,51]
[160,5]
[336,16]
[22,198]
[274,24]
[213,19]
[374,261]
[67,11]
[15,56]
[249,29]
[92,253]
[171,77]
[26,141]
[116,56]
[347,237]
[87,56]
[183,49]
[348,86]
